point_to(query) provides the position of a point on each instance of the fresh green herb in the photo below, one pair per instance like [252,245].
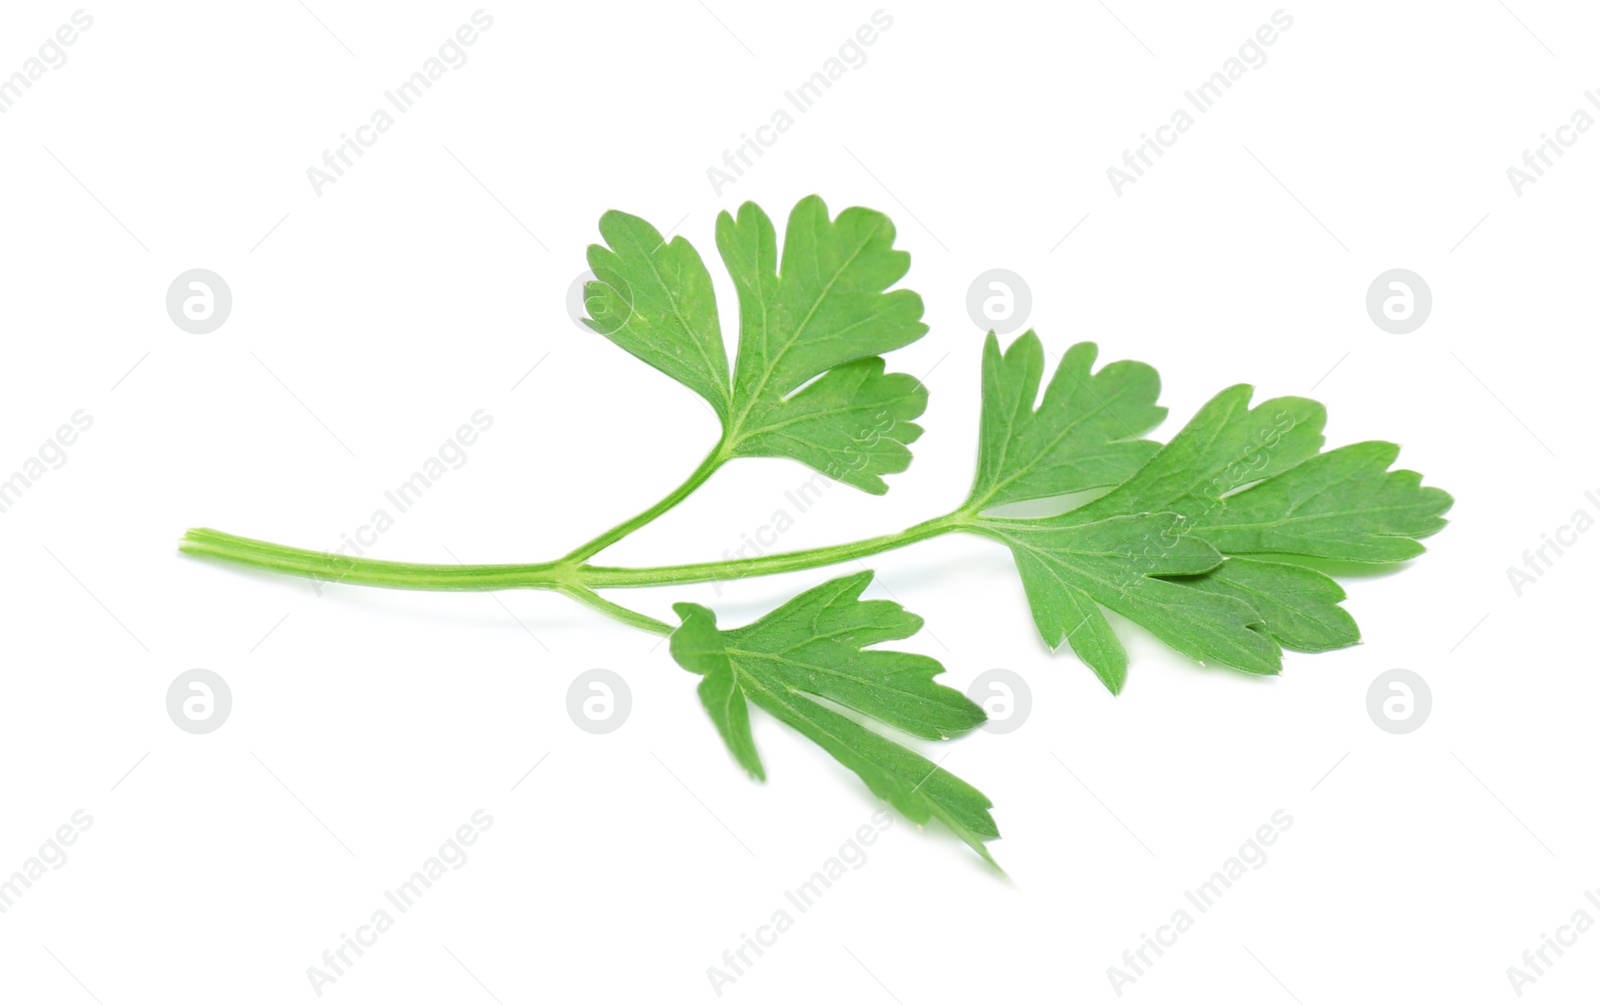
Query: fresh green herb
[1236,481]
[1208,541]
[1082,436]
[813,646]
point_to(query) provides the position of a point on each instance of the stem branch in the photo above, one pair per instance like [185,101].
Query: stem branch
[631,618]
[707,468]
[604,577]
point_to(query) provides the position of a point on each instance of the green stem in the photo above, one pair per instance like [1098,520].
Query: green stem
[569,575]
[575,580]
[631,618]
[329,568]
[713,461]
[602,577]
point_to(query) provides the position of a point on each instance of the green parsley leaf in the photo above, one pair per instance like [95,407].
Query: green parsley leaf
[1344,504]
[853,424]
[1253,483]
[813,647]
[653,297]
[1226,446]
[1068,568]
[1082,436]
[1235,481]
[821,315]
[1300,606]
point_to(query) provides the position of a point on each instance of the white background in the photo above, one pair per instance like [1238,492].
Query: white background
[367,725]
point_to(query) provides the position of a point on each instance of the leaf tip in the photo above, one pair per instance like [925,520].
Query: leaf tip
[686,610]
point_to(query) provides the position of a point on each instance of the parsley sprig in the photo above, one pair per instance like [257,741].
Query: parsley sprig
[1209,541]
